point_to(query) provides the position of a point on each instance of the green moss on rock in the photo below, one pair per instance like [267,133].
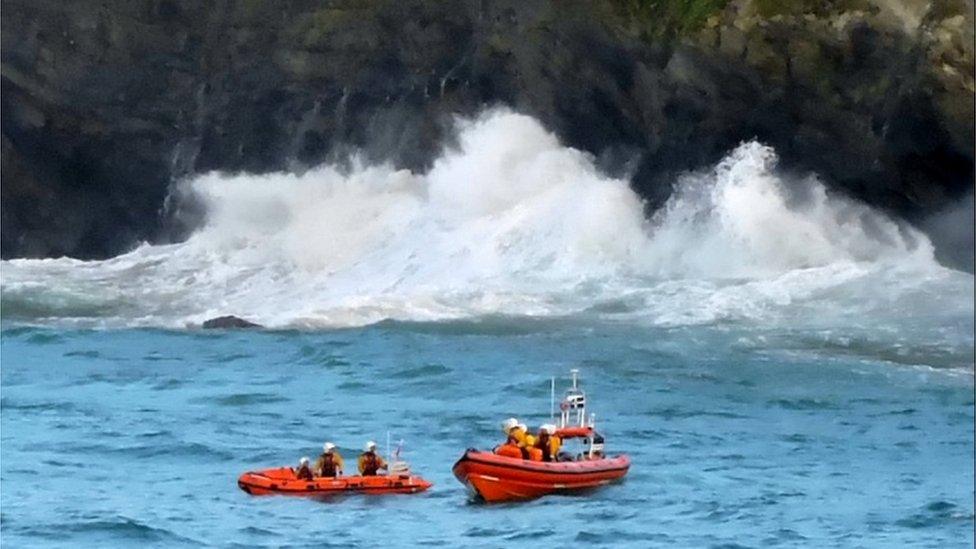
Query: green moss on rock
[657,19]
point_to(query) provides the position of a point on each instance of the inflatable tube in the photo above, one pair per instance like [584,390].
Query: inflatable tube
[574,432]
[283,481]
[494,477]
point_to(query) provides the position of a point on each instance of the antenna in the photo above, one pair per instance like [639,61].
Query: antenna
[552,399]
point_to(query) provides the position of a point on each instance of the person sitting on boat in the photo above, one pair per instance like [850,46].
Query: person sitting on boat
[548,442]
[511,447]
[518,433]
[526,438]
[369,461]
[329,463]
[304,471]
[518,439]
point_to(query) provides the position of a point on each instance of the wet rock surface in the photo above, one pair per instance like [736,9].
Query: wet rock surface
[105,106]
[228,322]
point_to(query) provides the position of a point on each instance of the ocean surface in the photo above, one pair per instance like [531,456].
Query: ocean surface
[739,437]
[785,366]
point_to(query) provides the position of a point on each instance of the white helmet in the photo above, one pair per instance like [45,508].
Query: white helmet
[303,461]
[328,447]
[523,427]
[509,424]
[548,428]
[370,446]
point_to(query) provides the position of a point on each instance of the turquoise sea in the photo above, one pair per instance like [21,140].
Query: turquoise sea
[740,437]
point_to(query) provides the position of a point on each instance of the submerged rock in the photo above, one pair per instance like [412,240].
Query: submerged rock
[228,322]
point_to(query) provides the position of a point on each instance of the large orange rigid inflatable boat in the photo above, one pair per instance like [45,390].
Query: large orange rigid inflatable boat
[283,481]
[504,475]
[495,478]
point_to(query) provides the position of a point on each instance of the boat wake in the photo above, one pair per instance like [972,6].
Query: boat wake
[507,223]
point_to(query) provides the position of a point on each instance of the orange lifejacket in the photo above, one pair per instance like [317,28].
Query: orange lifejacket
[509,450]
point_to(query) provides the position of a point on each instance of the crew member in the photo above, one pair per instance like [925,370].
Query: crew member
[329,463]
[508,427]
[548,442]
[515,437]
[509,448]
[369,461]
[304,472]
[526,440]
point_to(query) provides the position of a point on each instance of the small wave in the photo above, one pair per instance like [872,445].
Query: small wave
[256,531]
[937,513]
[82,354]
[480,532]
[673,412]
[245,399]
[18,331]
[314,355]
[174,450]
[487,325]
[534,533]
[421,372]
[168,385]
[45,338]
[126,528]
[803,404]
[7,403]
[229,357]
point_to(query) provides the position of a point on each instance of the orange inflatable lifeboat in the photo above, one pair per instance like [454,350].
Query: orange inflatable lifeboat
[283,481]
[504,475]
[493,478]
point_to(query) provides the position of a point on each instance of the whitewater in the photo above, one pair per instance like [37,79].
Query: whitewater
[509,222]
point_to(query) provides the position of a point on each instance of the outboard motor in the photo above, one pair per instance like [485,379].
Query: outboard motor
[399,468]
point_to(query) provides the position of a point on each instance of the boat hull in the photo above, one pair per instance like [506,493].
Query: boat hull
[495,478]
[282,481]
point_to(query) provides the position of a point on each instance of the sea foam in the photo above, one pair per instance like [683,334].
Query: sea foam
[508,221]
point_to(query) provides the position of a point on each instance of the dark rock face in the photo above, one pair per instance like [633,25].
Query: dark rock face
[105,105]
[228,322]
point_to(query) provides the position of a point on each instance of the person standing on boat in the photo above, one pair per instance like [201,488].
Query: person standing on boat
[369,461]
[548,442]
[329,463]
[304,472]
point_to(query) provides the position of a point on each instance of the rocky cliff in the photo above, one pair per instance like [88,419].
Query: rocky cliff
[104,104]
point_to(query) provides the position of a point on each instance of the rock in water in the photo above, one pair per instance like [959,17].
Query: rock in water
[229,321]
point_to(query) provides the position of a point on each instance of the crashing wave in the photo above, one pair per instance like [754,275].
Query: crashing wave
[508,222]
